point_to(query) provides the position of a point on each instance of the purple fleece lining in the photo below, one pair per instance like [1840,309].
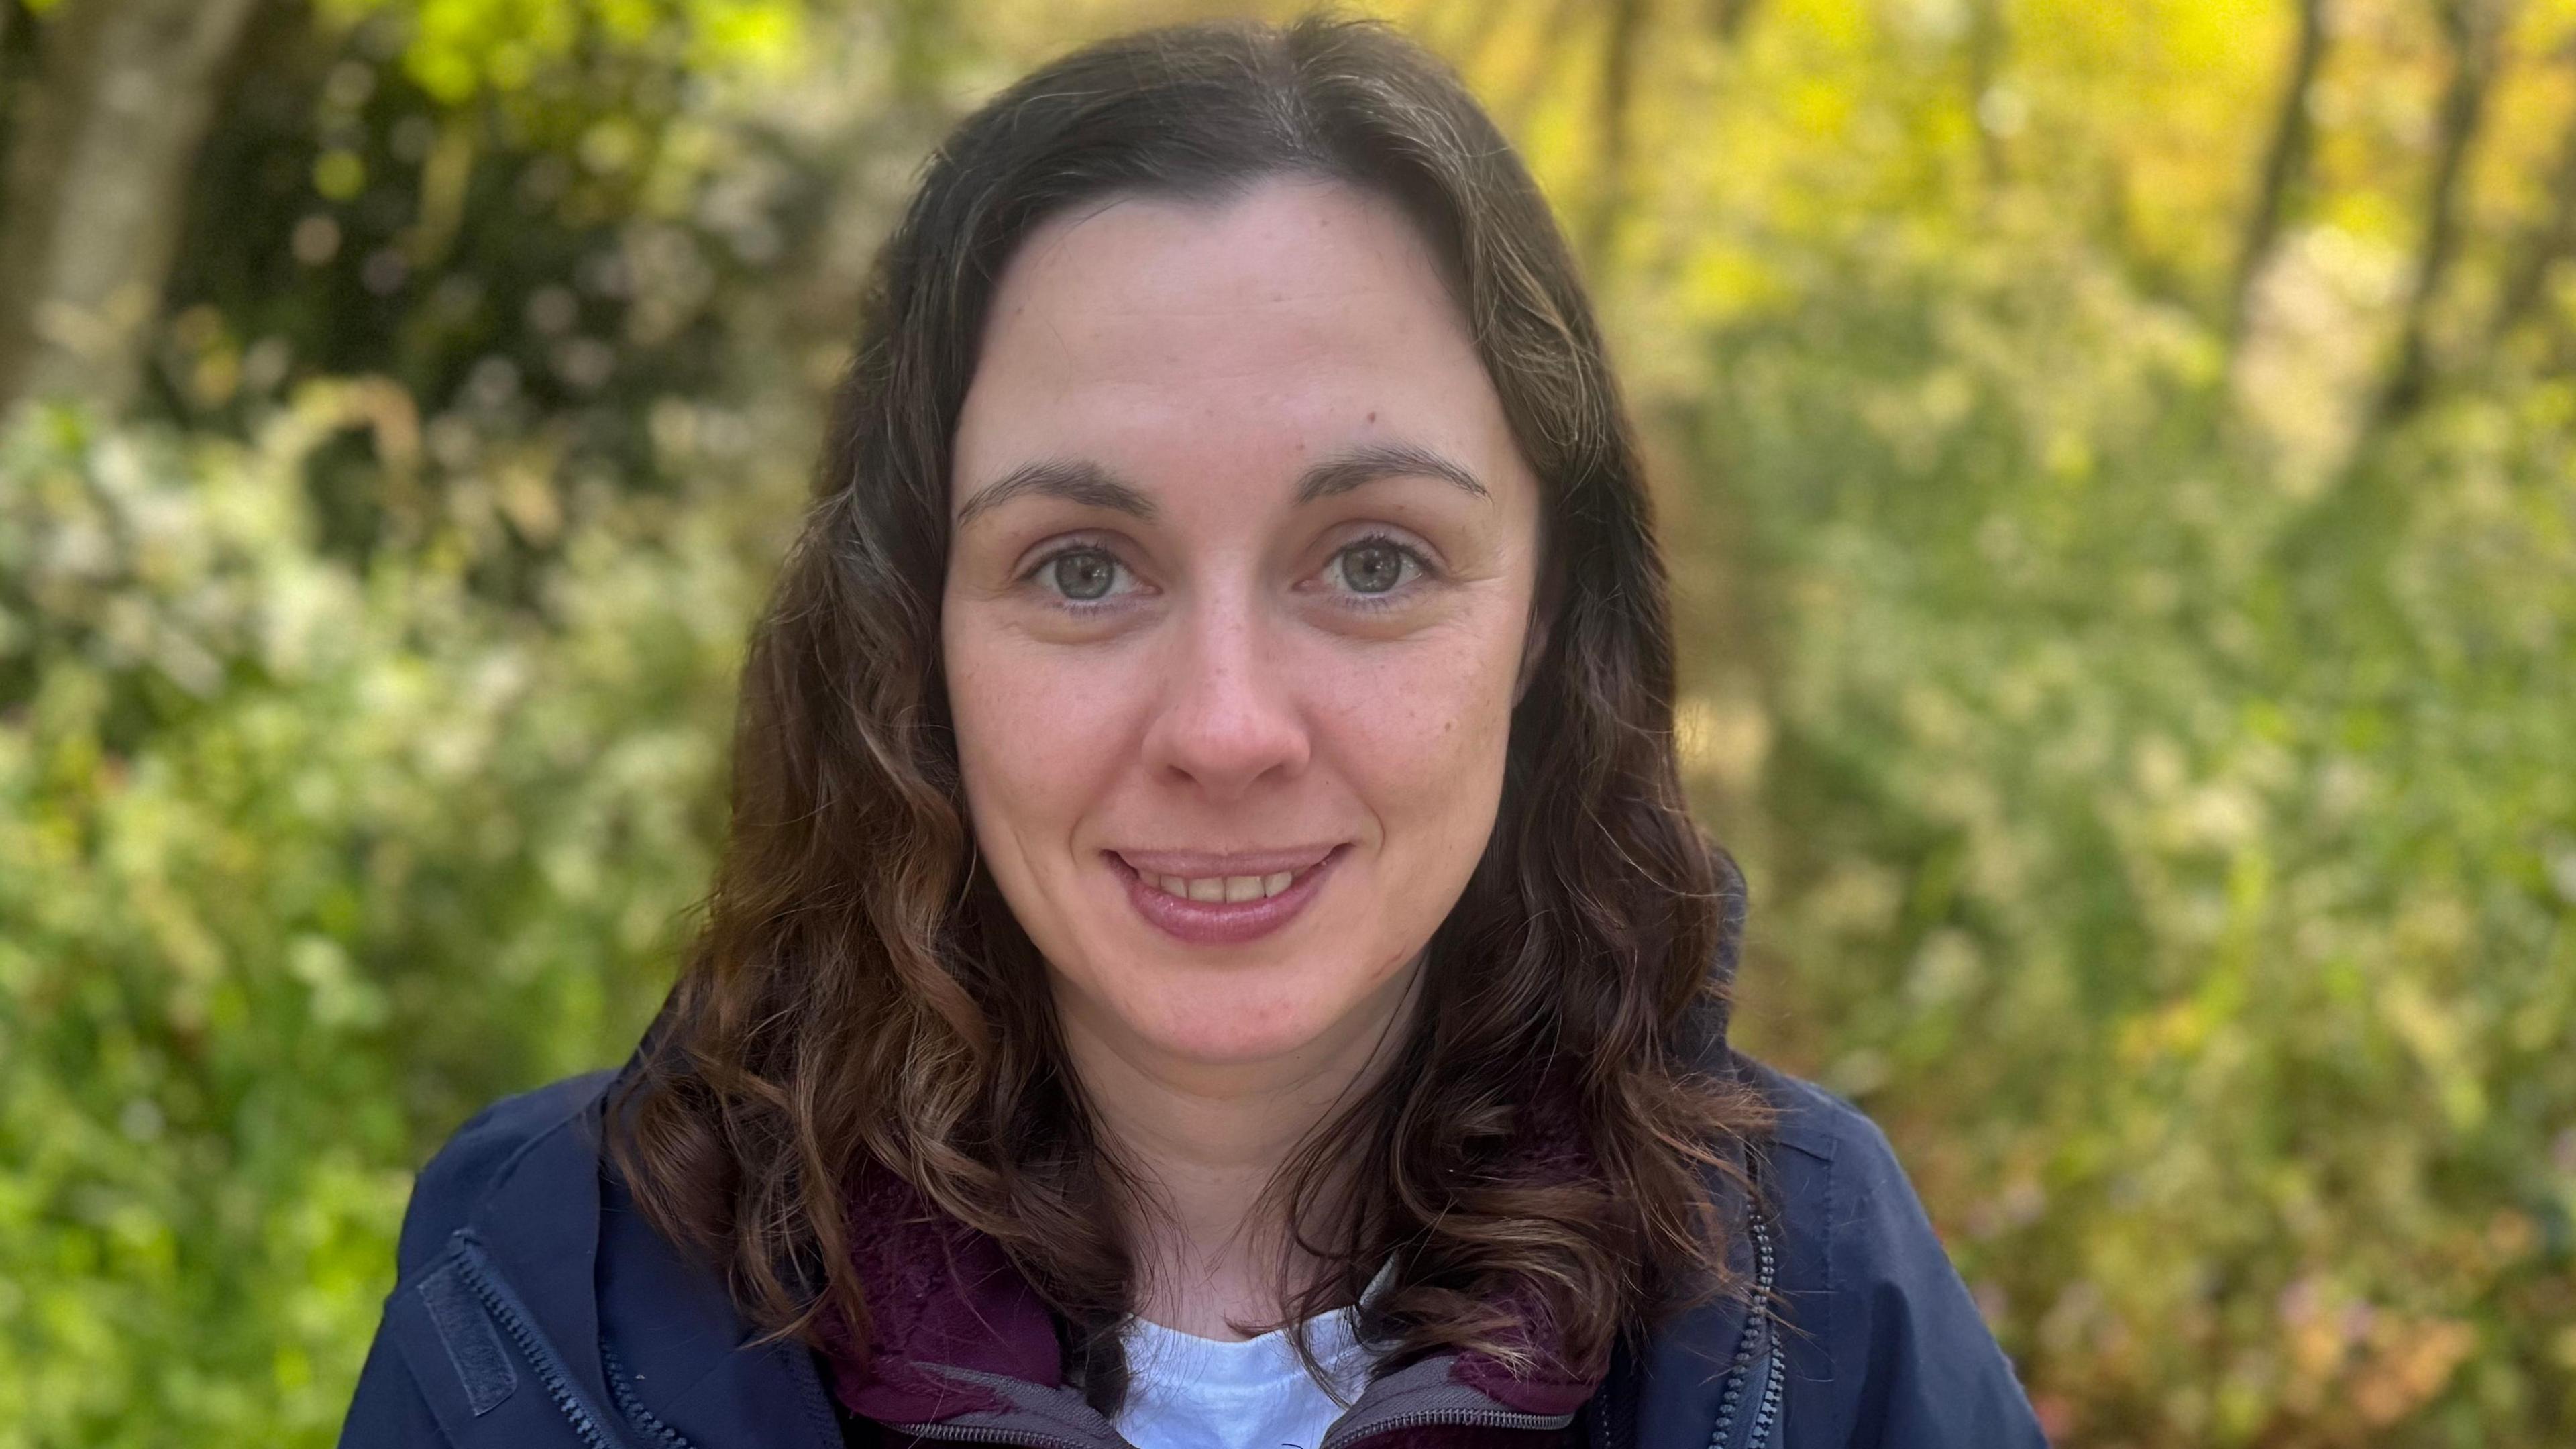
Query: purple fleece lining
[940,1293]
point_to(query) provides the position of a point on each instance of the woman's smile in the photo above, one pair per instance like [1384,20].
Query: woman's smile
[1212,900]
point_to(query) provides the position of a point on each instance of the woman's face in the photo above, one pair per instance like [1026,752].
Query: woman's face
[1235,609]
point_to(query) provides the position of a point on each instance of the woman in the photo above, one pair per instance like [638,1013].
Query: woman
[1211,949]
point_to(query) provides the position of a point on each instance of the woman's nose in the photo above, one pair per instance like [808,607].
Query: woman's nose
[1228,718]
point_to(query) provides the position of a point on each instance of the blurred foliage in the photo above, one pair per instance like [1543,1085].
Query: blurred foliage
[2120,492]
[304,863]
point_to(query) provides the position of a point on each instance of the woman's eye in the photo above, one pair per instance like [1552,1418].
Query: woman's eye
[1376,566]
[1084,574]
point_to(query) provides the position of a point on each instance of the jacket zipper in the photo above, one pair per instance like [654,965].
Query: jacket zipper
[1473,1418]
[1029,1438]
[1769,1412]
[631,1404]
[586,1420]
[1757,1328]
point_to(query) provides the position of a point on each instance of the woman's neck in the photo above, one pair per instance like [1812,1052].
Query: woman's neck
[1205,1140]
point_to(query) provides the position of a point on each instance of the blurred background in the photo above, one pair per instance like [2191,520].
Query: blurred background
[2120,466]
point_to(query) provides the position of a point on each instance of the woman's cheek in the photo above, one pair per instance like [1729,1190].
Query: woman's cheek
[1428,724]
[1027,719]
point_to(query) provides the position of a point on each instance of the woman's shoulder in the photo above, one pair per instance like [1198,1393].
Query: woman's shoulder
[1835,1189]
[488,1149]
[1880,1328]
[1813,1120]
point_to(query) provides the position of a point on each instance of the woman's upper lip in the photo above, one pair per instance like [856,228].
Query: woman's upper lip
[1201,864]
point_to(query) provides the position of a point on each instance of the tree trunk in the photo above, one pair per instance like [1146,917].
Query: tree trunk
[1727,17]
[2284,161]
[105,130]
[2473,28]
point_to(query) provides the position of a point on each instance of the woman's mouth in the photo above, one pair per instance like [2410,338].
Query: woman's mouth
[1221,900]
[1224,887]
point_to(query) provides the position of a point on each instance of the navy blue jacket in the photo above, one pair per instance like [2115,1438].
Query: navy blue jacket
[535,1309]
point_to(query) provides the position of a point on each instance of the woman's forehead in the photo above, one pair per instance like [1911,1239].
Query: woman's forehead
[1296,317]
[1288,246]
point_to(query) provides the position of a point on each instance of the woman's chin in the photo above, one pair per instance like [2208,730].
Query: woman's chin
[1284,1009]
[1229,1044]
[1236,1034]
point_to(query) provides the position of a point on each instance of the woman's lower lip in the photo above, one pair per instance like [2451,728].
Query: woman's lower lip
[1223,923]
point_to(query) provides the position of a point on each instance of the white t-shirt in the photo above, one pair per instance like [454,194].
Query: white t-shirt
[1188,1392]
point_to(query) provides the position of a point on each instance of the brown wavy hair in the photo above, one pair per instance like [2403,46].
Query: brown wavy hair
[860,994]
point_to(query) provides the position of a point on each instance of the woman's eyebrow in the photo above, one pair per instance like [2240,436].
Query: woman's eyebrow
[1074,480]
[1345,471]
[1079,480]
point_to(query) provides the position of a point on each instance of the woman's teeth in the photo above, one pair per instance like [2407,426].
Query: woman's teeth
[1224,887]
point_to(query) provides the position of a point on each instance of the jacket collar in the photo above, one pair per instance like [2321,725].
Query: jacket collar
[964,1347]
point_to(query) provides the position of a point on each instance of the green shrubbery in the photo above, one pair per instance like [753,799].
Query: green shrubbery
[303,863]
[2177,854]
